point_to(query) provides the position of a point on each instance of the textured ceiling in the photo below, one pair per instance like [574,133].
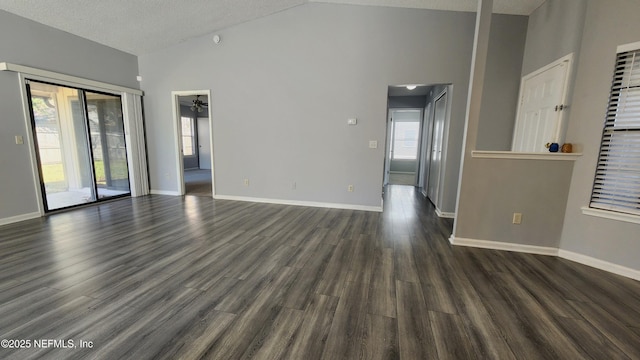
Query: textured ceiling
[143,26]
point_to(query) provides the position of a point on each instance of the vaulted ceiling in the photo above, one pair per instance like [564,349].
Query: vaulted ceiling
[143,26]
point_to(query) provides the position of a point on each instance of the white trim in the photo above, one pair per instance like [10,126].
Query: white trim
[628,47]
[498,245]
[612,215]
[300,203]
[549,251]
[177,131]
[165,192]
[58,77]
[600,264]
[35,171]
[17,218]
[482,154]
[568,57]
[444,214]
[402,172]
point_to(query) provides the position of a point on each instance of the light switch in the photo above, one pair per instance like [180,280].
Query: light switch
[352,121]
[373,144]
[19,140]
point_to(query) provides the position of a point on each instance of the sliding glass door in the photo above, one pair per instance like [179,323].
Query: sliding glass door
[79,138]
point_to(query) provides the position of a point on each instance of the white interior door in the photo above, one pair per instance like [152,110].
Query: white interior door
[439,119]
[539,119]
[204,141]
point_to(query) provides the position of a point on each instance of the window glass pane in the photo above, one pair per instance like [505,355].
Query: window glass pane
[106,127]
[405,142]
[188,144]
[60,131]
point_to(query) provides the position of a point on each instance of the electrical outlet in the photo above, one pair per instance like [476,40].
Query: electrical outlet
[350,188]
[246,182]
[517,218]
[373,144]
[19,140]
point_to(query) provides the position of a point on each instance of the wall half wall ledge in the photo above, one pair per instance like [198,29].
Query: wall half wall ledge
[483,154]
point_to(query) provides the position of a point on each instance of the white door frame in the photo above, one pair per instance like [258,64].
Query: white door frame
[177,130]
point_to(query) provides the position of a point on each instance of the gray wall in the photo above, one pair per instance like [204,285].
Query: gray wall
[403,165]
[407,102]
[608,24]
[28,43]
[493,189]
[554,30]
[284,86]
[502,82]
[499,187]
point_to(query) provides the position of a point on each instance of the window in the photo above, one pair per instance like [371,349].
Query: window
[188,143]
[405,142]
[617,181]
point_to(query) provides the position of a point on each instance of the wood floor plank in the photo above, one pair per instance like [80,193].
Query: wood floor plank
[380,338]
[613,329]
[404,260]
[247,325]
[415,335]
[450,336]
[337,271]
[382,294]
[276,339]
[314,330]
[345,339]
[306,283]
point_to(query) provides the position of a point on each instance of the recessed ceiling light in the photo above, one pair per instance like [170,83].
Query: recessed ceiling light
[411,87]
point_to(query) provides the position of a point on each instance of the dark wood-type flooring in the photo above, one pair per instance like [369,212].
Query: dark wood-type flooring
[163,277]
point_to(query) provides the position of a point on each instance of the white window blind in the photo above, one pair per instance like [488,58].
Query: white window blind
[617,180]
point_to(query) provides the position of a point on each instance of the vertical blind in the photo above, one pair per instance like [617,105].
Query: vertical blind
[617,181]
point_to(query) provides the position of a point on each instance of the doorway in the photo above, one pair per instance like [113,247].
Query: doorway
[403,150]
[80,144]
[194,143]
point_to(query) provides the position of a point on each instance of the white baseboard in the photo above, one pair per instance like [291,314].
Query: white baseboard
[23,217]
[550,251]
[164,192]
[444,214]
[300,203]
[498,245]
[600,264]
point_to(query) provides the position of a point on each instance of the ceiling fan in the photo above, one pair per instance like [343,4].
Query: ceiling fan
[198,105]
